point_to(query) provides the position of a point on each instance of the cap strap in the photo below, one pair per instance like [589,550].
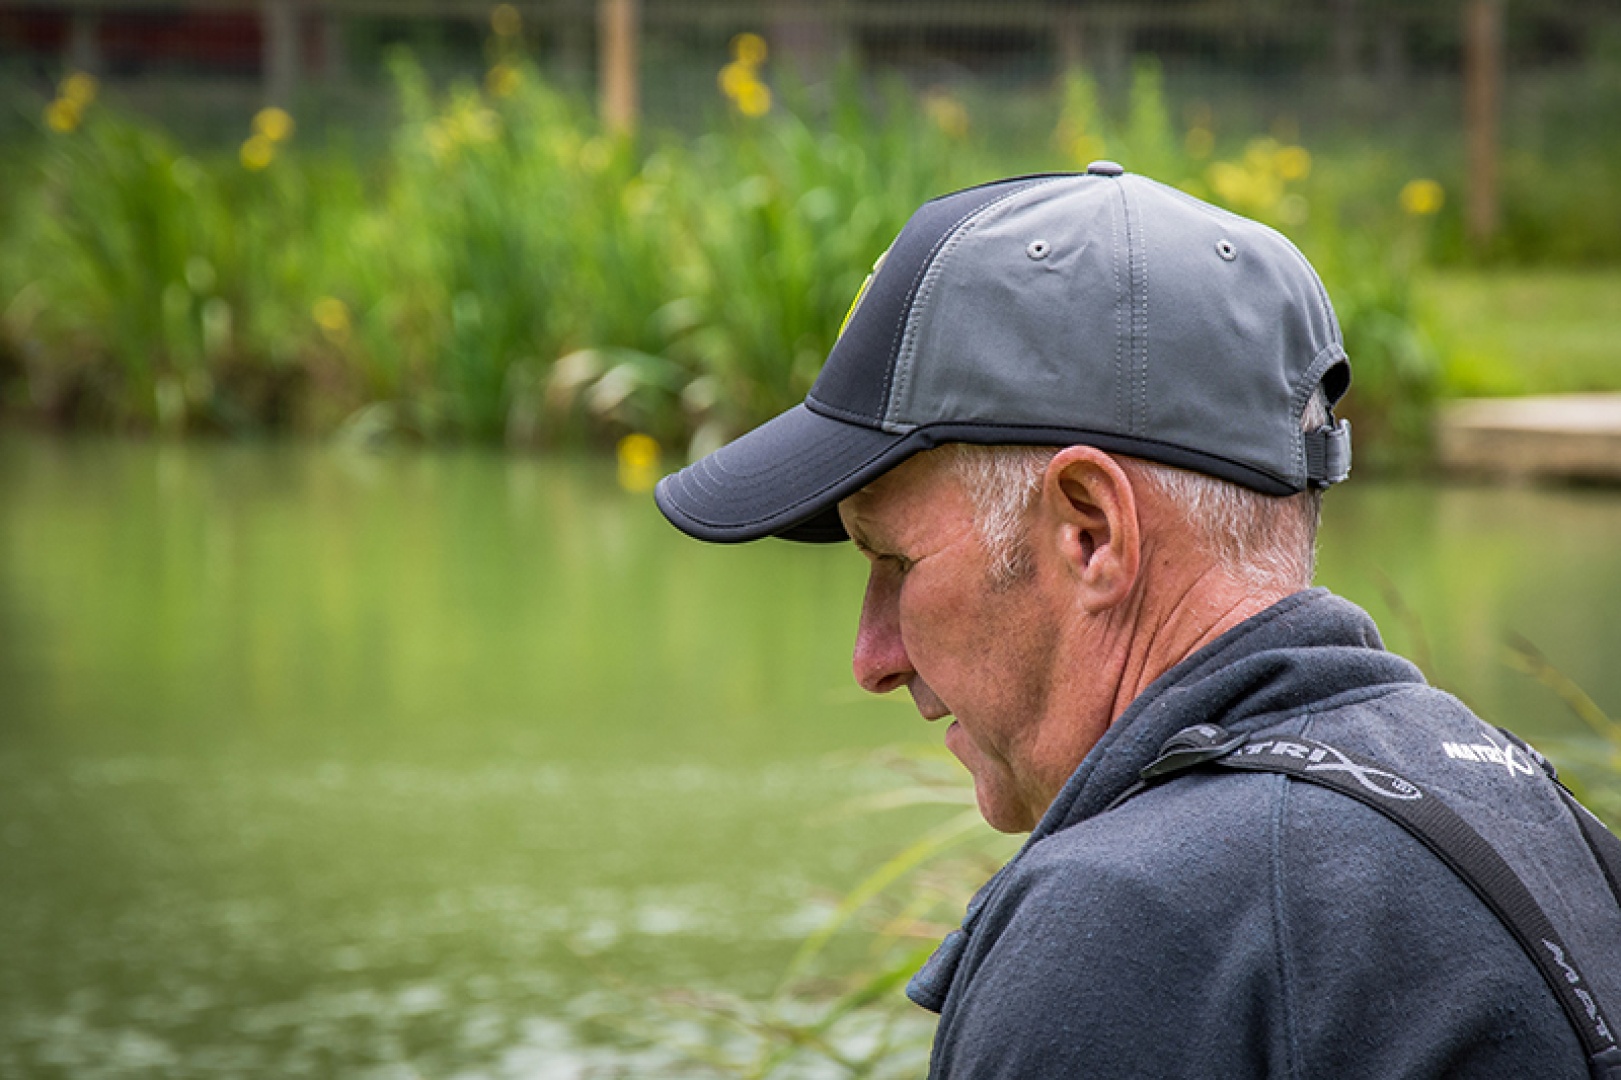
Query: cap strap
[1328,454]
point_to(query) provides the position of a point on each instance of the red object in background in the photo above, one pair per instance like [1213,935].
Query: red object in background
[223,40]
[130,42]
[22,30]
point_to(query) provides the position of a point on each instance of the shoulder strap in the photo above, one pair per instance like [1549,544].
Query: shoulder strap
[1601,841]
[1440,829]
[1606,848]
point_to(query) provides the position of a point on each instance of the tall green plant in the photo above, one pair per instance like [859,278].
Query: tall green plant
[509,270]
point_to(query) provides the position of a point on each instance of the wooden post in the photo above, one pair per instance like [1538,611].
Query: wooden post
[617,36]
[1483,95]
[280,51]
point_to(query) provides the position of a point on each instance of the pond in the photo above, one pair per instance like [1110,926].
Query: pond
[315,762]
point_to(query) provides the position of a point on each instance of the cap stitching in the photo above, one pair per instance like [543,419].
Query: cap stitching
[1122,404]
[1318,287]
[780,512]
[1139,337]
[817,405]
[911,300]
[899,377]
[922,438]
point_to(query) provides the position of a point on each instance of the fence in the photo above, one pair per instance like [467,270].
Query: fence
[1335,63]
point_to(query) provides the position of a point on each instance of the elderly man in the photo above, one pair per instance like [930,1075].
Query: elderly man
[1080,426]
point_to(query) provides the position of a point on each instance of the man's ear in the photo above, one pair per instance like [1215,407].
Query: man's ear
[1089,513]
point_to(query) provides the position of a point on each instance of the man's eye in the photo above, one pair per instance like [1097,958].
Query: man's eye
[900,562]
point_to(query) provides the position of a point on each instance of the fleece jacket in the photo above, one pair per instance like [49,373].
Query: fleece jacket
[1226,924]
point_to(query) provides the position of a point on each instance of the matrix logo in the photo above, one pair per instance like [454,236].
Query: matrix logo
[1489,754]
[1321,758]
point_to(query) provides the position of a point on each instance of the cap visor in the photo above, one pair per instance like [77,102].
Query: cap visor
[784,478]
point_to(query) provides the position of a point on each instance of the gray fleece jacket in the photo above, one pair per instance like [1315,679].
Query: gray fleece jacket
[1229,924]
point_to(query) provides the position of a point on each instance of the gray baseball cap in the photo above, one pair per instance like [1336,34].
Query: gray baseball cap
[1102,309]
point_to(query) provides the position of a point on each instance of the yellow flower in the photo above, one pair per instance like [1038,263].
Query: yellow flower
[505,21]
[503,80]
[1421,197]
[63,115]
[739,82]
[638,462]
[948,114]
[332,316]
[736,77]
[755,100]
[1293,162]
[749,49]
[1232,184]
[1200,142]
[257,152]
[1260,155]
[273,123]
[79,88]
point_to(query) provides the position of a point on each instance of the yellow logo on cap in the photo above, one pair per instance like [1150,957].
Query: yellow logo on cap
[860,293]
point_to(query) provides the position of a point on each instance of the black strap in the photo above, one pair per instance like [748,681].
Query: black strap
[1440,829]
[1601,841]
[1328,454]
[1606,848]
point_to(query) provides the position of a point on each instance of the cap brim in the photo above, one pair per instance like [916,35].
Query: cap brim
[785,478]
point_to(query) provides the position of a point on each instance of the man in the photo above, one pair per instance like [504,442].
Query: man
[1080,426]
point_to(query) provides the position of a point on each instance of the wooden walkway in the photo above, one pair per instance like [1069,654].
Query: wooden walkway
[1563,436]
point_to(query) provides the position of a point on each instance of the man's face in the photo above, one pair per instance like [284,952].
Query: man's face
[935,621]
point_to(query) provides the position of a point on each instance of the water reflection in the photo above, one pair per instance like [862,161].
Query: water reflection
[315,763]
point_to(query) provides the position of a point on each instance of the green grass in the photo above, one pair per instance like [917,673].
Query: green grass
[1511,332]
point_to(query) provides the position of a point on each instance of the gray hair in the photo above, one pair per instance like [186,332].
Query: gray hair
[1262,540]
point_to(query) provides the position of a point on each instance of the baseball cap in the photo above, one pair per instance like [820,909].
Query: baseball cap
[1103,309]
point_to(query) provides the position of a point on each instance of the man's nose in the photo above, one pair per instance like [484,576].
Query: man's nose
[881,663]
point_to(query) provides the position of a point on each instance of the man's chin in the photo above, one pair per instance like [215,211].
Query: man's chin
[1001,813]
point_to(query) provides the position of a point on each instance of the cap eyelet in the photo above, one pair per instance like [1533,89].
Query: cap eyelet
[1225,249]
[1038,249]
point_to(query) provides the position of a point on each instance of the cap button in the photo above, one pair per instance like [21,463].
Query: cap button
[1104,168]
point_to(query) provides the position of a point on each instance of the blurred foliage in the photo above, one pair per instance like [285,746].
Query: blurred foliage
[1520,331]
[509,271]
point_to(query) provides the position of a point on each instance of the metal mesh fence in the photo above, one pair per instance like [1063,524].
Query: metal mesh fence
[1324,62]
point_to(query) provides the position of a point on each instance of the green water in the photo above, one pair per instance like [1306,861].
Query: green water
[317,763]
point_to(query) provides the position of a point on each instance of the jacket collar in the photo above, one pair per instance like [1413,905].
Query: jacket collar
[1307,647]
